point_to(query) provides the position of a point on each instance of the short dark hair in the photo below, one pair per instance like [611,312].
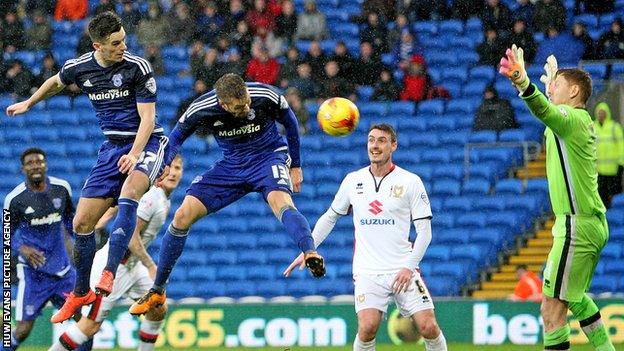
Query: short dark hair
[230,86]
[579,77]
[103,25]
[386,128]
[30,151]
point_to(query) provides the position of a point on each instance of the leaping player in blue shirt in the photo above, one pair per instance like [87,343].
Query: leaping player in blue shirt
[256,158]
[122,89]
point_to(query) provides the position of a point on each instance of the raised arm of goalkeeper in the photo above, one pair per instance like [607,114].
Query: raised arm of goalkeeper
[567,89]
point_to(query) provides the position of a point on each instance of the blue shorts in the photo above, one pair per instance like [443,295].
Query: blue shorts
[227,182]
[35,289]
[105,180]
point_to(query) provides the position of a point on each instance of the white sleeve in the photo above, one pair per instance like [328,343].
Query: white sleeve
[423,238]
[342,201]
[147,206]
[419,201]
[324,226]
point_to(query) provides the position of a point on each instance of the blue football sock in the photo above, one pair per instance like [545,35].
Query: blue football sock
[170,249]
[298,228]
[84,250]
[86,346]
[122,233]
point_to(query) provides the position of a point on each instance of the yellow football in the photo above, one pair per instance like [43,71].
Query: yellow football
[338,116]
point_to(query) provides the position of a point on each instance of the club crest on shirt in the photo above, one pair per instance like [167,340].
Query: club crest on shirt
[117,80]
[151,85]
[397,191]
[424,197]
[251,115]
[57,203]
[361,298]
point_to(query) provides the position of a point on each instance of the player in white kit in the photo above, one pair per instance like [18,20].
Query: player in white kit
[385,199]
[136,272]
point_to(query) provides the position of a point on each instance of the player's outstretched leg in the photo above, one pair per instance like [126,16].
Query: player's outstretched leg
[150,328]
[191,210]
[588,315]
[89,211]
[133,189]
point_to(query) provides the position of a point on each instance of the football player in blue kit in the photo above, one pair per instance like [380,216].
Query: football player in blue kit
[242,117]
[122,90]
[41,211]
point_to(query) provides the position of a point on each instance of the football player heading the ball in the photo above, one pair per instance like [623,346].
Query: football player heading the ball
[580,231]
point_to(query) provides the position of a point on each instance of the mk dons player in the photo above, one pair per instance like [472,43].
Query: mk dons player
[136,272]
[384,199]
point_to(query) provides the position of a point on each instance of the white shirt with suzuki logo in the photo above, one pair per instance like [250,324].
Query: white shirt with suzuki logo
[383,210]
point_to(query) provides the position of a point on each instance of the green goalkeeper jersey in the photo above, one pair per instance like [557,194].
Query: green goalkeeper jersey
[570,155]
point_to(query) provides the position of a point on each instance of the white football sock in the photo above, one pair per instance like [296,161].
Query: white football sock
[72,338]
[359,345]
[148,334]
[437,344]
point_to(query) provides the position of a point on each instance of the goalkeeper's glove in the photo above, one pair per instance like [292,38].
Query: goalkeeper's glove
[551,72]
[512,67]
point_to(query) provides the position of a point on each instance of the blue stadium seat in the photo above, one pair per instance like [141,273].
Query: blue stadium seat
[195,258]
[271,288]
[603,283]
[483,170]
[449,237]
[373,109]
[485,73]
[431,107]
[484,136]
[213,289]
[219,258]
[454,269]
[17,135]
[441,286]
[513,135]
[272,240]
[365,92]
[486,236]
[262,225]
[242,241]
[471,220]
[436,156]
[488,203]
[437,253]
[428,27]
[612,251]
[476,253]
[252,257]
[261,273]
[615,216]
[454,140]
[450,172]
[231,273]
[597,71]
[239,289]
[426,140]
[616,233]
[474,89]
[180,289]
[476,187]
[618,201]
[446,188]
[459,204]
[588,19]
[334,287]
[509,187]
[57,103]
[204,274]
[301,288]
[463,105]
[614,266]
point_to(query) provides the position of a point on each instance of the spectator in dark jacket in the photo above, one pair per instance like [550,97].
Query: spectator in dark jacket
[40,33]
[386,89]
[304,82]
[611,44]
[103,6]
[242,39]
[286,22]
[130,17]
[333,85]
[394,35]
[182,25]
[425,10]
[345,61]
[234,14]
[494,113]
[496,15]
[12,32]
[594,6]
[368,66]
[375,32]
[580,33]
[84,43]
[549,13]
[317,59]
[210,70]
[153,55]
[523,39]
[464,9]
[293,97]
[524,12]
[48,69]
[210,23]
[288,71]
[19,79]
[492,49]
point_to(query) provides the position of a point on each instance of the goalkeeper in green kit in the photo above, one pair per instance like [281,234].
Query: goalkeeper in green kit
[580,231]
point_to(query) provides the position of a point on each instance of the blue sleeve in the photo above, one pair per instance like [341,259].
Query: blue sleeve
[68,216]
[68,72]
[145,85]
[288,119]
[183,129]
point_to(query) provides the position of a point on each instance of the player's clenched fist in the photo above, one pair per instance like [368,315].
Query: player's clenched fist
[512,66]
[296,177]
[17,108]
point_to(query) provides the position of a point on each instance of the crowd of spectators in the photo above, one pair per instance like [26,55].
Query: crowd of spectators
[257,39]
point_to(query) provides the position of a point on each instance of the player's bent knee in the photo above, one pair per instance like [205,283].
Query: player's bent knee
[429,328]
[367,331]
[83,223]
[135,186]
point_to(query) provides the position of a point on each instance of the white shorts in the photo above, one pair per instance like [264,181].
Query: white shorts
[375,291]
[132,283]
